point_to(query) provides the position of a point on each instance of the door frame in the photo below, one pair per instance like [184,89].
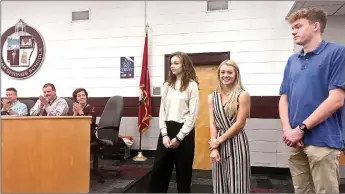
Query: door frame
[262,107]
[209,58]
[200,59]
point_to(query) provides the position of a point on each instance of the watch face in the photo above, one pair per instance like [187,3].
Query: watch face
[302,127]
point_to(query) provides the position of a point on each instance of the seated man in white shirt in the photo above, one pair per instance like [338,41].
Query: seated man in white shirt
[49,104]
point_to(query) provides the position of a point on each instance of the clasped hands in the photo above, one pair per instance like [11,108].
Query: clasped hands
[213,145]
[43,100]
[170,143]
[293,137]
[6,105]
[77,108]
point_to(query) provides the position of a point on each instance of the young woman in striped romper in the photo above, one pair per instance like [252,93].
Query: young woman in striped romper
[229,107]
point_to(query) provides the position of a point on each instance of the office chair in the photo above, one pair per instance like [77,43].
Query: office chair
[70,106]
[29,104]
[107,133]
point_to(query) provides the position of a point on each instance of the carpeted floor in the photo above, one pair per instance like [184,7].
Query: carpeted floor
[134,178]
[130,173]
[260,183]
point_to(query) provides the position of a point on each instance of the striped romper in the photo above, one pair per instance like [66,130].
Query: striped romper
[232,173]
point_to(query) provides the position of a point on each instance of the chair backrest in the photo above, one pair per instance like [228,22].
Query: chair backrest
[29,104]
[109,123]
[70,106]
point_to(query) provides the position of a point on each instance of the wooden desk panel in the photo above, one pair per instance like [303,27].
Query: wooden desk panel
[45,154]
[342,158]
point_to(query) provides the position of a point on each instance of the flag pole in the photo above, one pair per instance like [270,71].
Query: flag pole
[140,157]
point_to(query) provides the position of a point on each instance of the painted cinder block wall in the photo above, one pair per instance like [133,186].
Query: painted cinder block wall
[86,53]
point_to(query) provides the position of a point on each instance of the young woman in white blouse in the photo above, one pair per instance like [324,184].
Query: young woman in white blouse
[177,116]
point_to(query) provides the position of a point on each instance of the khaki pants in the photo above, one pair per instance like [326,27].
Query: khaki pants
[315,169]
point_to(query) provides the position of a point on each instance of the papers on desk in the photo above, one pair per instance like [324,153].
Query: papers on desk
[128,142]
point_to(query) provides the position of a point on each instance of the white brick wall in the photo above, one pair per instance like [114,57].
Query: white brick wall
[334,31]
[266,145]
[265,140]
[86,54]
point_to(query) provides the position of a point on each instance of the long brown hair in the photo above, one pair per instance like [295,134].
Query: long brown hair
[232,104]
[188,71]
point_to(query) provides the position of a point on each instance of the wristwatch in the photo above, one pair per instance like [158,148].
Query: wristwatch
[303,127]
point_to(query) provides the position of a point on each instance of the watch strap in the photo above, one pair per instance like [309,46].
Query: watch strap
[303,127]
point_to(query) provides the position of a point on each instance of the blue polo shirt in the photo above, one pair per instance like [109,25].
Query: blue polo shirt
[307,81]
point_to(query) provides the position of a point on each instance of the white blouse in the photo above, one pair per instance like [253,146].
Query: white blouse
[181,107]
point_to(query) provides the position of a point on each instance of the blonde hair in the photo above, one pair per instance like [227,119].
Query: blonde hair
[232,104]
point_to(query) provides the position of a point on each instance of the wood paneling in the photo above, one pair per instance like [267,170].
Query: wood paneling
[45,154]
[261,106]
[265,107]
[213,58]
[342,158]
[130,105]
[207,81]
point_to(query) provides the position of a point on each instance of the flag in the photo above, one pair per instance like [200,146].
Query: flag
[145,110]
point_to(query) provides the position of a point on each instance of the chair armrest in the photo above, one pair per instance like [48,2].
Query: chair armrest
[105,140]
[126,136]
[94,125]
[99,129]
[93,144]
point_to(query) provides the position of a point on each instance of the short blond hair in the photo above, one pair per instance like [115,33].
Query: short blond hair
[312,14]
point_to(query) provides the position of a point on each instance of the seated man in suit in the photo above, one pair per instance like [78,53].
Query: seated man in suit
[11,105]
[49,104]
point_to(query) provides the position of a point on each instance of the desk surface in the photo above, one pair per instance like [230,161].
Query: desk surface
[7,117]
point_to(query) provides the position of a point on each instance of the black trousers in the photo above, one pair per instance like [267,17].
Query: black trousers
[182,157]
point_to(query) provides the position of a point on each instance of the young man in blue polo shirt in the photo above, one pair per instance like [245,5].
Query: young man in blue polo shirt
[311,105]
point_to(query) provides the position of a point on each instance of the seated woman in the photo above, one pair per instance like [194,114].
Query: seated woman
[82,108]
